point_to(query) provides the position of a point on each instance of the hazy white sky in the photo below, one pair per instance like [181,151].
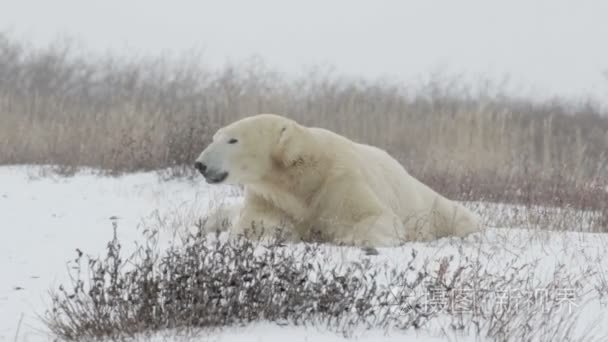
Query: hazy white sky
[553,47]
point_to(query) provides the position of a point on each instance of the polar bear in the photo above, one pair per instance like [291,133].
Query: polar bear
[315,184]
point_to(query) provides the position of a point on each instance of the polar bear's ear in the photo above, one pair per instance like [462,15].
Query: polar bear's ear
[287,151]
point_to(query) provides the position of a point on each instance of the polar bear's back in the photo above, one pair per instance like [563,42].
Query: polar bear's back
[390,181]
[425,213]
[387,178]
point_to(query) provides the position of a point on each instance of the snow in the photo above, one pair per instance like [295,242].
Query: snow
[265,332]
[44,218]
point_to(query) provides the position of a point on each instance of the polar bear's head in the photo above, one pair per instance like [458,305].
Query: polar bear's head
[249,150]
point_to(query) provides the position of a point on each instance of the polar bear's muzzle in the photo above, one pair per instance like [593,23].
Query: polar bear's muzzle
[215,177]
[212,176]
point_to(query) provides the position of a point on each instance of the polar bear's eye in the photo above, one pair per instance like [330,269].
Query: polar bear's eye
[232,141]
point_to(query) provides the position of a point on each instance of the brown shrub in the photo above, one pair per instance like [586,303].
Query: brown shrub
[122,114]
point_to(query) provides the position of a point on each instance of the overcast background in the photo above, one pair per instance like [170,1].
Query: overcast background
[547,48]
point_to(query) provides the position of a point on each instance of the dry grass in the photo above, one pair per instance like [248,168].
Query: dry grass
[61,106]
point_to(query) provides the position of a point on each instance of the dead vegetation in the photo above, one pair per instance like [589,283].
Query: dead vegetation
[60,106]
[207,282]
[64,107]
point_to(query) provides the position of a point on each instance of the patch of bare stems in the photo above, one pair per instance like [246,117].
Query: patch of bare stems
[61,106]
[207,283]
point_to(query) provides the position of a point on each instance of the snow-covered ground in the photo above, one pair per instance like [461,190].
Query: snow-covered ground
[44,219]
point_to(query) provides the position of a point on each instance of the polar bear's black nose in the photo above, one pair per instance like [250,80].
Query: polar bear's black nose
[200,167]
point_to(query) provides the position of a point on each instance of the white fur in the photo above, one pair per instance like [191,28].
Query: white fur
[316,184]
